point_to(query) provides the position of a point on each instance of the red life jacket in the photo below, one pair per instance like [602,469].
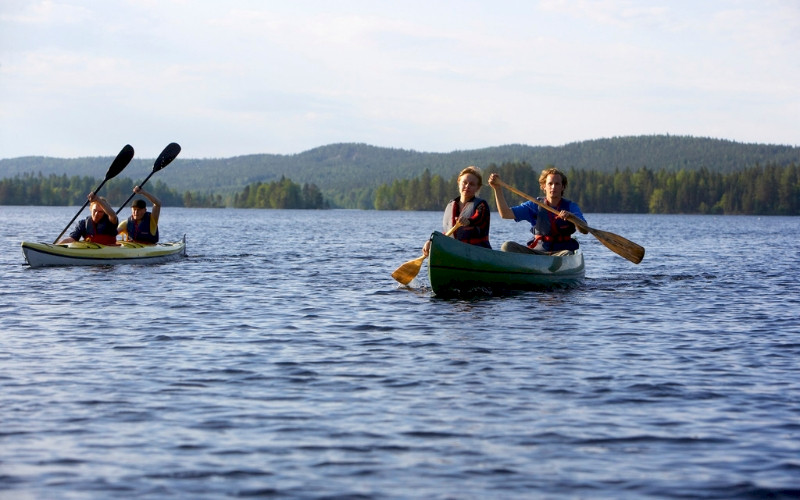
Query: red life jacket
[108,236]
[554,233]
[475,234]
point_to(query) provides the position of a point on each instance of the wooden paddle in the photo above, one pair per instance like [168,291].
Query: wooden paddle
[408,271]
[118,165]
[615,243]
[165,158]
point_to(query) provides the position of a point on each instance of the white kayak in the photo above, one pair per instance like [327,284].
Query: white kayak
[84,253]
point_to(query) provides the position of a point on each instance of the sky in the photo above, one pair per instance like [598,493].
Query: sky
[226,78]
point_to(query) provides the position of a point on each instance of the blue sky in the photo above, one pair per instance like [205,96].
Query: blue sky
[235,77]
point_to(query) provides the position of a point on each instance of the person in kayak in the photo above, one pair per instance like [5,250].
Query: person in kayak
[142,226]
[552,234]
[472,212]
[100,227]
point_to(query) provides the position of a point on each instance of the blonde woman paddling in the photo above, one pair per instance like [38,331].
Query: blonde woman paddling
[472,212]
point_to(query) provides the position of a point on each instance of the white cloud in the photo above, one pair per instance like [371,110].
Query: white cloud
[44,13]
[245,77]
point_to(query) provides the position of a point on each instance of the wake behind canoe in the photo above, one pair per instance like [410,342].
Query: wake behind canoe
[84,253]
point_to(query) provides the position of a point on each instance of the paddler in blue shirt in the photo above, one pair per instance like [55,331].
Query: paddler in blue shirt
[100,227]
[552,234]
[142,226]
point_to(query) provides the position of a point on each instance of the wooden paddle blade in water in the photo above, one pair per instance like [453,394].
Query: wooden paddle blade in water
[619,245]
[408,271]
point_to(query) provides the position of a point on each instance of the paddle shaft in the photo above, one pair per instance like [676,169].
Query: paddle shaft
[579,223]
[79,212]
[165,158]
[134,194]
[453,229]
[614,242]
[118,165]
[408,271]
[448,233]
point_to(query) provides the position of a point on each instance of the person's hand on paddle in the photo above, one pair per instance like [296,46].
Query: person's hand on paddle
[570,217]
[426,248]
[469,183]
[460,222]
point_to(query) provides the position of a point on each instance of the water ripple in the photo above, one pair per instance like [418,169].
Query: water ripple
[297,368]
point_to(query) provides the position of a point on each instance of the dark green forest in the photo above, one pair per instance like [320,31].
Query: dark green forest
[55,190]
[60,190]
[348,174]
[280,194]
[768,190]
[657,174]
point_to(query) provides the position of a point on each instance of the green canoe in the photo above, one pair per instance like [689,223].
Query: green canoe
[455,267]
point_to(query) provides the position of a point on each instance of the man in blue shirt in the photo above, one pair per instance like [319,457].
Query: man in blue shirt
[551,233]
[99,227]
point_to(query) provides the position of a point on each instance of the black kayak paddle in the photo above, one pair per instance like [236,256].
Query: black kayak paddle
[118,165]
[165,158]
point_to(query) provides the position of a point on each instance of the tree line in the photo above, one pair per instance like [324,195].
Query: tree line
[759,190]
[349,173]
[280,194]
[60,190]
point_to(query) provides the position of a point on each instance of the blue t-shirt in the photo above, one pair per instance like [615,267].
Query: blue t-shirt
[529,210]
[103,227]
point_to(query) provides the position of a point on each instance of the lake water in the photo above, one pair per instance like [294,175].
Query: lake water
[281,360]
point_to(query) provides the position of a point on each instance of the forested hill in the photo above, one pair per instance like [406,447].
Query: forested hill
[341,168]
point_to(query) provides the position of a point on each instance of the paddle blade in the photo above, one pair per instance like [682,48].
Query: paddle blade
[408,271]
[619,245]
[165,158]
[120,162]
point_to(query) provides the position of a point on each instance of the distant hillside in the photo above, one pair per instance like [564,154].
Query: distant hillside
[339,168]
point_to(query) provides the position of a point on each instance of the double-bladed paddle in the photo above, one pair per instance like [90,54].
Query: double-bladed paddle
[118,165]
[408,271]
[615,243]
[165,158]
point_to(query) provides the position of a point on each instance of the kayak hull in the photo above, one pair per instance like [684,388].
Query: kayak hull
[84,253]
[455,267]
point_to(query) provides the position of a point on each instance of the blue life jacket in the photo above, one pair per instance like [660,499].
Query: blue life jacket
[141,232]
